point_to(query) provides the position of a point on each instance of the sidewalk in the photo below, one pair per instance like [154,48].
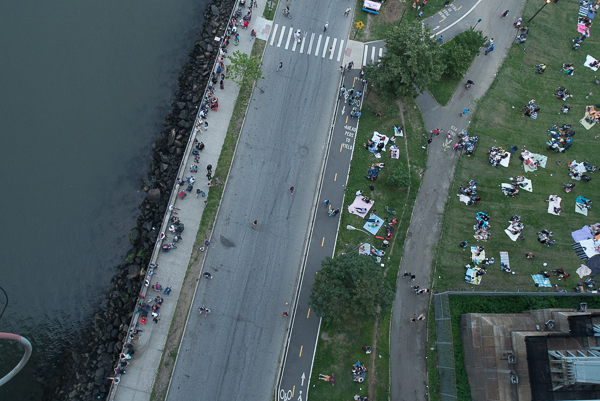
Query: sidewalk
[408,354]
[138,383]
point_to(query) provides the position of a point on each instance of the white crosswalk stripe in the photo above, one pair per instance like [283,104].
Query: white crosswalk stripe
[373,52]
[308,46]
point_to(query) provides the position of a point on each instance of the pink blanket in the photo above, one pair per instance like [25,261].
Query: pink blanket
[360,204]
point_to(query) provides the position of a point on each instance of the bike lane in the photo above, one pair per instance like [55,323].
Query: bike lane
[305,327]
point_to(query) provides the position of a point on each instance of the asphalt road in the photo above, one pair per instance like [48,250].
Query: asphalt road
[234,353]
[297,368]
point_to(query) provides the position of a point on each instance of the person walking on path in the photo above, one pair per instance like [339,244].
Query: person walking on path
[327,203]
[279,67]
[326,26]
[291,190]
[207,275]
[255,223]
[464,112]
[329,51]
[333,213]
[347,12]
[504,14]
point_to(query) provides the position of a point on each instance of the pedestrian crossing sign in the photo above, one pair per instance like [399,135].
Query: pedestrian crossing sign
[359,25]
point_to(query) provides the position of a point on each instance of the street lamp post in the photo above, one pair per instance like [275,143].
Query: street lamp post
[352,228]
[478,21]
[545,4]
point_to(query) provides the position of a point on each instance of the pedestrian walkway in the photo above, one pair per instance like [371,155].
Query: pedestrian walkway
[373,51]
[312,44]
[138,382]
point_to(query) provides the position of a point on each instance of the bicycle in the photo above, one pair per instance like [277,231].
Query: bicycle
[287,14]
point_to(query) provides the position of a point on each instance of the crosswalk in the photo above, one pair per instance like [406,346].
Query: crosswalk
[373,51]
[332,48]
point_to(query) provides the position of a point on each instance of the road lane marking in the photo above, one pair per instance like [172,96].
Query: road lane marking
[325,47]
[322,241]
[341,147]
[301,347]
[281,36]
[293,390]
[335,178]
[287,43]
[312,37]
[380,52]
[341,50]
[317,46]
[457,21]
[273,34]
[346,120]
[333,48]
[364,54]
[373,54]
[308,314]
[302,45]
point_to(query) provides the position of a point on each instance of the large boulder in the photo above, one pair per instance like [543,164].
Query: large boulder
[153,195]
[135,235]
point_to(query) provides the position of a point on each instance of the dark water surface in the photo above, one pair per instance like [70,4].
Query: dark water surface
[84,88]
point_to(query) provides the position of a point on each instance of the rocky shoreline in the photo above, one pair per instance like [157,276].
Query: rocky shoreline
[82,372]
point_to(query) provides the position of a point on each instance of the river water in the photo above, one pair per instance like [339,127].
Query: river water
[84,88]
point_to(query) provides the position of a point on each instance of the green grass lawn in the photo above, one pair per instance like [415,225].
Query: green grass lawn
[497,122]
[340,347]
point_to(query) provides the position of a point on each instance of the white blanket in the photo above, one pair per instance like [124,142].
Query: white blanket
[364,249]
[377,138]
[581,208]
[398,131]
[588,61]
[527,185]
[554,201]
[504,162]
[464,199]
[512,236]
[590,247]
[477,259]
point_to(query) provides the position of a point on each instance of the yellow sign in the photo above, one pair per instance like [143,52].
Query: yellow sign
[359,25]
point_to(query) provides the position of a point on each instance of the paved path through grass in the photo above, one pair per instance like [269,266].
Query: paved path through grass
[408,340]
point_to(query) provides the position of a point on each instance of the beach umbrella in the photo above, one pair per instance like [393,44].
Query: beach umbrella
[583,271]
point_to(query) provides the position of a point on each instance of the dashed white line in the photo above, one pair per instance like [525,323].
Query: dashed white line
[333,48]
[287,42]
[380,52]
[341,50]
[365,54]
[281,36]
[273,34]
[372,54]
[302,44]
[325,47]
[317,46]
[312,37]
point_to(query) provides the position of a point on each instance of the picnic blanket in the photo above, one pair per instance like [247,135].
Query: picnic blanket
[588,61]
[464,199]
[530,158]
[359,203]
[505,161]
[394,152]
[554,201]
[583,271]
[477,259]
[541,281]
[583,234]
[504,259]
[505,186]
[398,131]
[512,236]
[590,247]
[471,276]
[377,138]
[373,226]
[581,28]
[581,208]
[586,125]
[364,249]
[526,185]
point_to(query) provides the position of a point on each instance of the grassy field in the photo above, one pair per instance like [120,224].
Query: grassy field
[340,347]
[376,26]
[497,122]
[460,305]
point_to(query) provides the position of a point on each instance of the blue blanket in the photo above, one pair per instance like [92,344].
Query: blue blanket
[373,226]
[541,281]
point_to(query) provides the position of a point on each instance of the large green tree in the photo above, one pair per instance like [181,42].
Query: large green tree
[349,284]
[412,62]
[460,52]
[244,70]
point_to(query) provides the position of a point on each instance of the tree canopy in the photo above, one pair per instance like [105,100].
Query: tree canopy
[412,62]
[350,283]
[460,52]
[244,70]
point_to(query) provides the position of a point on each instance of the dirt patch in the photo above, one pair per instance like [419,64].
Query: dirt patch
[372,376]
[392,11]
